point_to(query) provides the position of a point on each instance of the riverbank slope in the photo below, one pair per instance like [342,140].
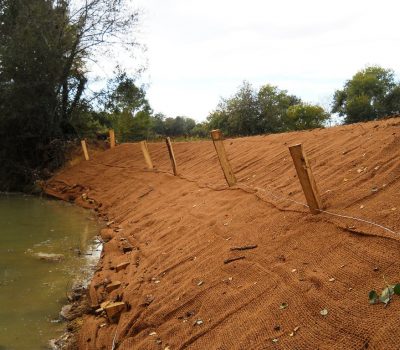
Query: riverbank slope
[305,284]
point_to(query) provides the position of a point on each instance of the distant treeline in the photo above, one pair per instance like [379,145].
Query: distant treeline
[372,93]
[45,103]
[248,112]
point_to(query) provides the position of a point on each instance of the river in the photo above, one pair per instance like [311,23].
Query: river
[32,290]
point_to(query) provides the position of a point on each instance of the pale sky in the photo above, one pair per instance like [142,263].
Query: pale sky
[199,51]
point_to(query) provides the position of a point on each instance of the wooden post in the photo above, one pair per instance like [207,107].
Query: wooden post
[112,138]
[223,159]
[84,148]
[146,154]
[171,155]
[306,178]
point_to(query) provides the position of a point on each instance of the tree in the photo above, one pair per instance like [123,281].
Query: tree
[158,124]
[128,108]
[251,112]
[123,94]
[274,104]
[44,49]
[305,116]
[32,48]
[372,93]
[178,126]
[392,100]
[201,130]
[218,119]
[239,114]
[242,110]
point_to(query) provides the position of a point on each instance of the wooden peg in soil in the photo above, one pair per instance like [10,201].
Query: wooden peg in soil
[113,310]
[171,156]
[84,148]
[217,138]
[146,154]
[306,178]
[112,286]
[122,266]
[112,138]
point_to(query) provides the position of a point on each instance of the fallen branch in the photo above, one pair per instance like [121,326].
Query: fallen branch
[146,193]
[227,261]
[246,247]
[363,233]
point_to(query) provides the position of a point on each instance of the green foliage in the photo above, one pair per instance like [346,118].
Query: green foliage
[158,124]
[267,110]
[178,126]
[242,110]
[372,93]
[131,117]
[122,94]
[386,295]
[201,130]
[305,116]
[274,104]
[44,47]
[218,119]
[396,289]
[33,50]
[128,109]
[392,100]
[87,123]
[373,297]
[237,115]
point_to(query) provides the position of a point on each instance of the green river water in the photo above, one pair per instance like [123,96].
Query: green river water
[32,291]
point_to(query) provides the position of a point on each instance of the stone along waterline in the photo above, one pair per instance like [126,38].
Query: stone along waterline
[44,246]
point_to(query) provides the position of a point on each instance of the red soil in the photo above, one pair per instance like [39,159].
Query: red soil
[182,229]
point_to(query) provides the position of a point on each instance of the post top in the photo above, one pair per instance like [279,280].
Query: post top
[216,134]
[296,145]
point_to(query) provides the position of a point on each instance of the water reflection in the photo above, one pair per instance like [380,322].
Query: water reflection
[44,245]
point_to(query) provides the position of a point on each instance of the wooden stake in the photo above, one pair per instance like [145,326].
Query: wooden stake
[114,309]
[223,159]
[84,148]
[171,155]
[114,285]
[112,138]
[306,178]
[146,154]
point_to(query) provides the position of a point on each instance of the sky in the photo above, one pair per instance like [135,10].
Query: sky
[201,50]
